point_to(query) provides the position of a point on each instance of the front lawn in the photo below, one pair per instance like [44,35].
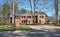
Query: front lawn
[21,28]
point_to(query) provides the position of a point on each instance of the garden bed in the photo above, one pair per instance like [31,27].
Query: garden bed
[21,28]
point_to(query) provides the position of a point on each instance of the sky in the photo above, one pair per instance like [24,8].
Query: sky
[47,7]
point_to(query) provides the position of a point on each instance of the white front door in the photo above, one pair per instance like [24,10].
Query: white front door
[29,21]
[42,21]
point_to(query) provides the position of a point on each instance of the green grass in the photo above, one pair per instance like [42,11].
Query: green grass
[21,28]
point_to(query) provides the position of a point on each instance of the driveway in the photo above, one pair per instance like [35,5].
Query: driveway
[38,31]
[39,27]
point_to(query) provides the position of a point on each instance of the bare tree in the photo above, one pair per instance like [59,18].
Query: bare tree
[30,5]
[13,12]
[56,10]
[34,9]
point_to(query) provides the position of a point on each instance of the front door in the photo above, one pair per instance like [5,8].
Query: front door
[28,22]
[42,21]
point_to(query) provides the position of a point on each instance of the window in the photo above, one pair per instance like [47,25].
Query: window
[41,16]
[23,16]
[17,16]
[34,16]
[23,21]
[28,16]
[40,20]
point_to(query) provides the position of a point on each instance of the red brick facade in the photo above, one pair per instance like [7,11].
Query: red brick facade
[28,18]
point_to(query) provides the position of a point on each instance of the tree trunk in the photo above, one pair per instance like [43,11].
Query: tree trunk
[34,10]
[56,10]
[13,12]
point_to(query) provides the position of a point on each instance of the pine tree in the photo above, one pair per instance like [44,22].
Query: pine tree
[5,10]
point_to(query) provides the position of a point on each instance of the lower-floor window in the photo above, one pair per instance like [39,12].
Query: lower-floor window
[23,21]
[41,21]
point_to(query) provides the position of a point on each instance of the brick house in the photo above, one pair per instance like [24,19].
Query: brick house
[28,18]
[41,18]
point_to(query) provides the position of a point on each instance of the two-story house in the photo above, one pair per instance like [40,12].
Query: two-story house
[28,18]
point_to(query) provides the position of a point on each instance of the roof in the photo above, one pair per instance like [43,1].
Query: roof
[25,14]
[41,12]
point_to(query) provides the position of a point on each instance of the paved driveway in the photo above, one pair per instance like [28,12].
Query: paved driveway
[38,31]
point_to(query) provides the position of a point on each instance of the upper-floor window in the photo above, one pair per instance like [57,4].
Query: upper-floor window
[23,16]
[34,16]
[41,16]
[28,16]
[17,16]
